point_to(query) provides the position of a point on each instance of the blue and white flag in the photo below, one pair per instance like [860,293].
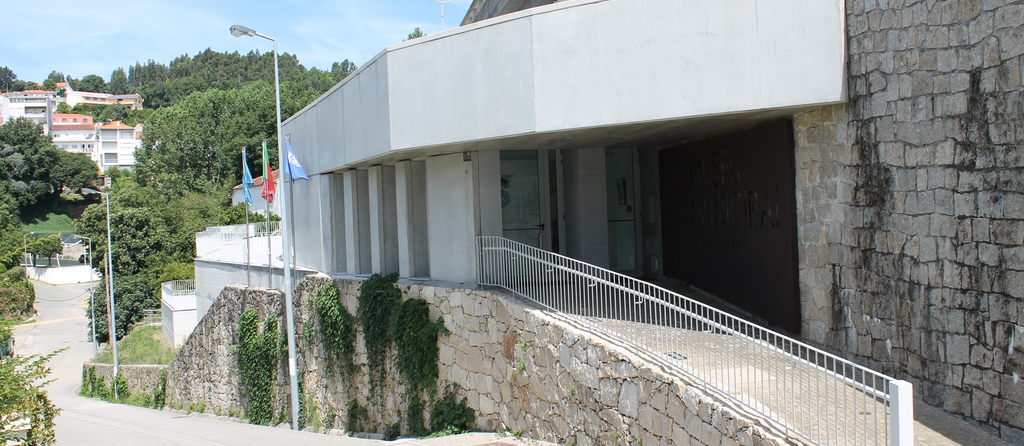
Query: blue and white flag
[246,180]
[293,167]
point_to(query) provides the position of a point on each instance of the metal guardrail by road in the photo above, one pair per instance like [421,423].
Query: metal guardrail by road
[810,393]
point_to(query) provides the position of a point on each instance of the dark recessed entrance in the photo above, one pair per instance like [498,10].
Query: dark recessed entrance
[729,219]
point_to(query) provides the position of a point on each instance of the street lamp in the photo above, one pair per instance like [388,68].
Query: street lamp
[441,3]
[111,315]
[239,31]
[92,298]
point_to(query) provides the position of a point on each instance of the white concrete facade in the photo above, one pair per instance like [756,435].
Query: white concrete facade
[397,157]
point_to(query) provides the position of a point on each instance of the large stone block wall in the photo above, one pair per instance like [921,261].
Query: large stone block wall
[911,204]
[139,378]
[519,368]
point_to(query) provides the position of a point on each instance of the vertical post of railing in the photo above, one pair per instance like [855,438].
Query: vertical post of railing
[901,410]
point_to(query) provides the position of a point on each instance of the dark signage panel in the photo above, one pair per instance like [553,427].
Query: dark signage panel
[729,219]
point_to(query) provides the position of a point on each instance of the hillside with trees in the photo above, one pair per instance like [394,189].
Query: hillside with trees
[200,111]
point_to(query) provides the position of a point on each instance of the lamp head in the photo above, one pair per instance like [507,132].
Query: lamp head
[239,31]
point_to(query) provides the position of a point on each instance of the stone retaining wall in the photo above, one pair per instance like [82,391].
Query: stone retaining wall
[520,369]
[910,204]
[139,378]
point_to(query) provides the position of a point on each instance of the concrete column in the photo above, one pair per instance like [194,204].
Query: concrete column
[451,218]
[407,229]
[383,221]
[586,208]
[326,225]
[336,238]
[411,215]
[357,222]
[490,192]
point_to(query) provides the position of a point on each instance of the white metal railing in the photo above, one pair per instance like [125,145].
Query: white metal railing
[179,288]
[810,393]
[228,243]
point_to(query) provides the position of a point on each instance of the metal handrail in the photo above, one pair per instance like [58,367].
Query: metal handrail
[179,287]
[808,392]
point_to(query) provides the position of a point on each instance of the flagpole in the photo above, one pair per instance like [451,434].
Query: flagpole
[248,265]
[266,210]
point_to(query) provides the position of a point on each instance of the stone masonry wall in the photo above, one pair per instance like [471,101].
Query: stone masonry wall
[520,369]
[139,378]
[911,204]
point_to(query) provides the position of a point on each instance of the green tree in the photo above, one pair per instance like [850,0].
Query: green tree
[44,247]
[91,83]
[132,295]
[22,379]
[63,107]
[136,232]
[73,171]
[7,79]
[26,160]
[56,76]
[118,82]
[414,34]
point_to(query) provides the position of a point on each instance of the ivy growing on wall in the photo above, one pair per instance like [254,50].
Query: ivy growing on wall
[337,330]
[415,338]
[257,360]
[378,298]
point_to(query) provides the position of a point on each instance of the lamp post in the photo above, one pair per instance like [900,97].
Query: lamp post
[111,314]
[239,31]
[92,298]
[441,3]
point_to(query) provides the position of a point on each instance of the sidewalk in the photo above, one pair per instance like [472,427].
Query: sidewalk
[470,439]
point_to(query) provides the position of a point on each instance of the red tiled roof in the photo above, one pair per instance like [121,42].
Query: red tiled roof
[116,125]
[72,126]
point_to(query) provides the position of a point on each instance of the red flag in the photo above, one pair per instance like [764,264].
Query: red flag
[267,191]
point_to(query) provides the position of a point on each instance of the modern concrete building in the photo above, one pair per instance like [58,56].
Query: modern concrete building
[847,171]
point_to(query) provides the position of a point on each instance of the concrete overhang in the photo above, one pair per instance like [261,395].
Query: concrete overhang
[583,73]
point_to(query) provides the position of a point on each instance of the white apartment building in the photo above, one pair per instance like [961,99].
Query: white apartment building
[37,105]
[116,145]
[75,133]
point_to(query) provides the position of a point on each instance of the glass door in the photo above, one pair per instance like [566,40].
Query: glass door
[520,197]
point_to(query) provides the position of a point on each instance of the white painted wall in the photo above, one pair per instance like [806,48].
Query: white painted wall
[63,275]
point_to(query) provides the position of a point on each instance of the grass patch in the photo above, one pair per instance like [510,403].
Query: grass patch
[144,345]
[52,223]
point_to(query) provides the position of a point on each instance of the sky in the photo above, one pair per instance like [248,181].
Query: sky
[80,37]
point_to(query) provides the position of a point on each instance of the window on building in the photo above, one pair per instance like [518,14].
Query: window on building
[65,120]
[109,158]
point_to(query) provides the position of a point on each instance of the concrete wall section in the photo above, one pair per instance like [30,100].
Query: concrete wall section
[483,80]
[451,224]
[533,72]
